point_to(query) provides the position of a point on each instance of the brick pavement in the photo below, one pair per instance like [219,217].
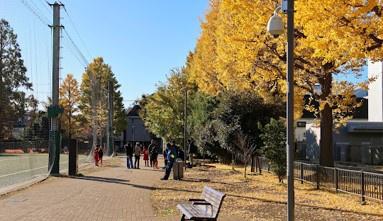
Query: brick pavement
[109,193]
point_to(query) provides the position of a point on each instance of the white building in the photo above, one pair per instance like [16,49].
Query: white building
[361,140]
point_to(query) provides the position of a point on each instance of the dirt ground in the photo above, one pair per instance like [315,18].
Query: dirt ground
[261,197]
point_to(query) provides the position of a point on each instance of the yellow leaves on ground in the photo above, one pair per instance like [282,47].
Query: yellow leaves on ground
[261,197]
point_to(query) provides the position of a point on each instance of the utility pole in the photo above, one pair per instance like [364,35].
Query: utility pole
[185,121]
[54,110]
[290,111]
[110,140]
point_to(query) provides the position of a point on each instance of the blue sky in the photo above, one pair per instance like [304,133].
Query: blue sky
[141,39]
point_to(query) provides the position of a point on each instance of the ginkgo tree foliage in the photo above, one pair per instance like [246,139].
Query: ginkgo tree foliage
[163,111]
[69,101]
[332,37]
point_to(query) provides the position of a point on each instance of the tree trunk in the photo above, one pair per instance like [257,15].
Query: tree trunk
[326,124]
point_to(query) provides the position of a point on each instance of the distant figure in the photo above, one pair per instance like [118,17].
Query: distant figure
[165,156]
[137,153]
[151,146]
[100,154]
[154,155]
[129,155]
[192,149]
[146,156]
[95,155]
[171,154]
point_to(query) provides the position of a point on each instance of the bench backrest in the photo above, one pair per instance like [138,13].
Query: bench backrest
[214,197]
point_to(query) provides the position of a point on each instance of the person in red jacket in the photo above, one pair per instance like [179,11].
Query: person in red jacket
[95,155]
[146,156]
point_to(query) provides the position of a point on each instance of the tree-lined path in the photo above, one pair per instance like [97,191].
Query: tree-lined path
[110,193]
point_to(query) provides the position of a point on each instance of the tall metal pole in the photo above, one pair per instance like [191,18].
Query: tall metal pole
[110,142]
[290,110]
[185,121]
[54,148]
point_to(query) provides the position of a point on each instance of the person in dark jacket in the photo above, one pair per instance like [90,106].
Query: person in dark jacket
[129,155]
[165,157]
[154,154]
[171,155]
[151,147]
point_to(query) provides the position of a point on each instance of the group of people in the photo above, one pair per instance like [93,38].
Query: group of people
[150,155]
[98,153]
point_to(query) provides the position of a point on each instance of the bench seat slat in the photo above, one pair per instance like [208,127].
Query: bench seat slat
[211,211]
[193,211]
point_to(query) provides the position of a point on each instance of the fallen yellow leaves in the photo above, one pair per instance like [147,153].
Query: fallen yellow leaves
[261,197]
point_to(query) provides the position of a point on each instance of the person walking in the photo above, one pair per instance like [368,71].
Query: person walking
[100,154]
[171,155]
[129,155]
[137,154]
[151,146]
[146,156]
[165,156]
[95,155]
[154,155]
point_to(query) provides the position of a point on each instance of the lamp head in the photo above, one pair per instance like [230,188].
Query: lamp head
[275,25]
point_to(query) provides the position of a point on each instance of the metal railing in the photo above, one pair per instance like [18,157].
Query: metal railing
[357,182]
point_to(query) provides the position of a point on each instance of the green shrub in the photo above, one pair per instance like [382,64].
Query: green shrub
[274,140]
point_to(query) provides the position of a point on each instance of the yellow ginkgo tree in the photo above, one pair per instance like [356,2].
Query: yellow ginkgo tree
[331,37]
[69,101]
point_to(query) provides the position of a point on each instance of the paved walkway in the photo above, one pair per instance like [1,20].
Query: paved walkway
[109,193]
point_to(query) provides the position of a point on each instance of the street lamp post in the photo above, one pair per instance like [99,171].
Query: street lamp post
[275,27]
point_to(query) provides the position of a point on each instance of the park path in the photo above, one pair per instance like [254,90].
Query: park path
[109,193]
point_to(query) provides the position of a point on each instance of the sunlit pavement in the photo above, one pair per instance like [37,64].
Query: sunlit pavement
[110,193]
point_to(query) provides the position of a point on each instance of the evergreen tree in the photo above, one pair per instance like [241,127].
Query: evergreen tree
[12,79]
[94,99]
[274,139]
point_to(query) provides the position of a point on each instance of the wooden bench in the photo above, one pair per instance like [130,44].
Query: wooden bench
[206,208]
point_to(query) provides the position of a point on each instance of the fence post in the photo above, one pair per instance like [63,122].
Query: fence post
[362,188]
[336,179]
[301,167]
[317,176]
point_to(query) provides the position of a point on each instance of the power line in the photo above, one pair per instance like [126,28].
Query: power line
[45,5]
[38,9]
[43,19]
[76,48]
[72,50]
[77,32]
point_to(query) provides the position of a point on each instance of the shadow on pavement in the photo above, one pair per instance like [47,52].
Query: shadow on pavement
[149,169]
[101,179]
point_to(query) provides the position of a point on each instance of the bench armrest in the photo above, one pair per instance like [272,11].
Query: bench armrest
[196,200]
[201,203]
